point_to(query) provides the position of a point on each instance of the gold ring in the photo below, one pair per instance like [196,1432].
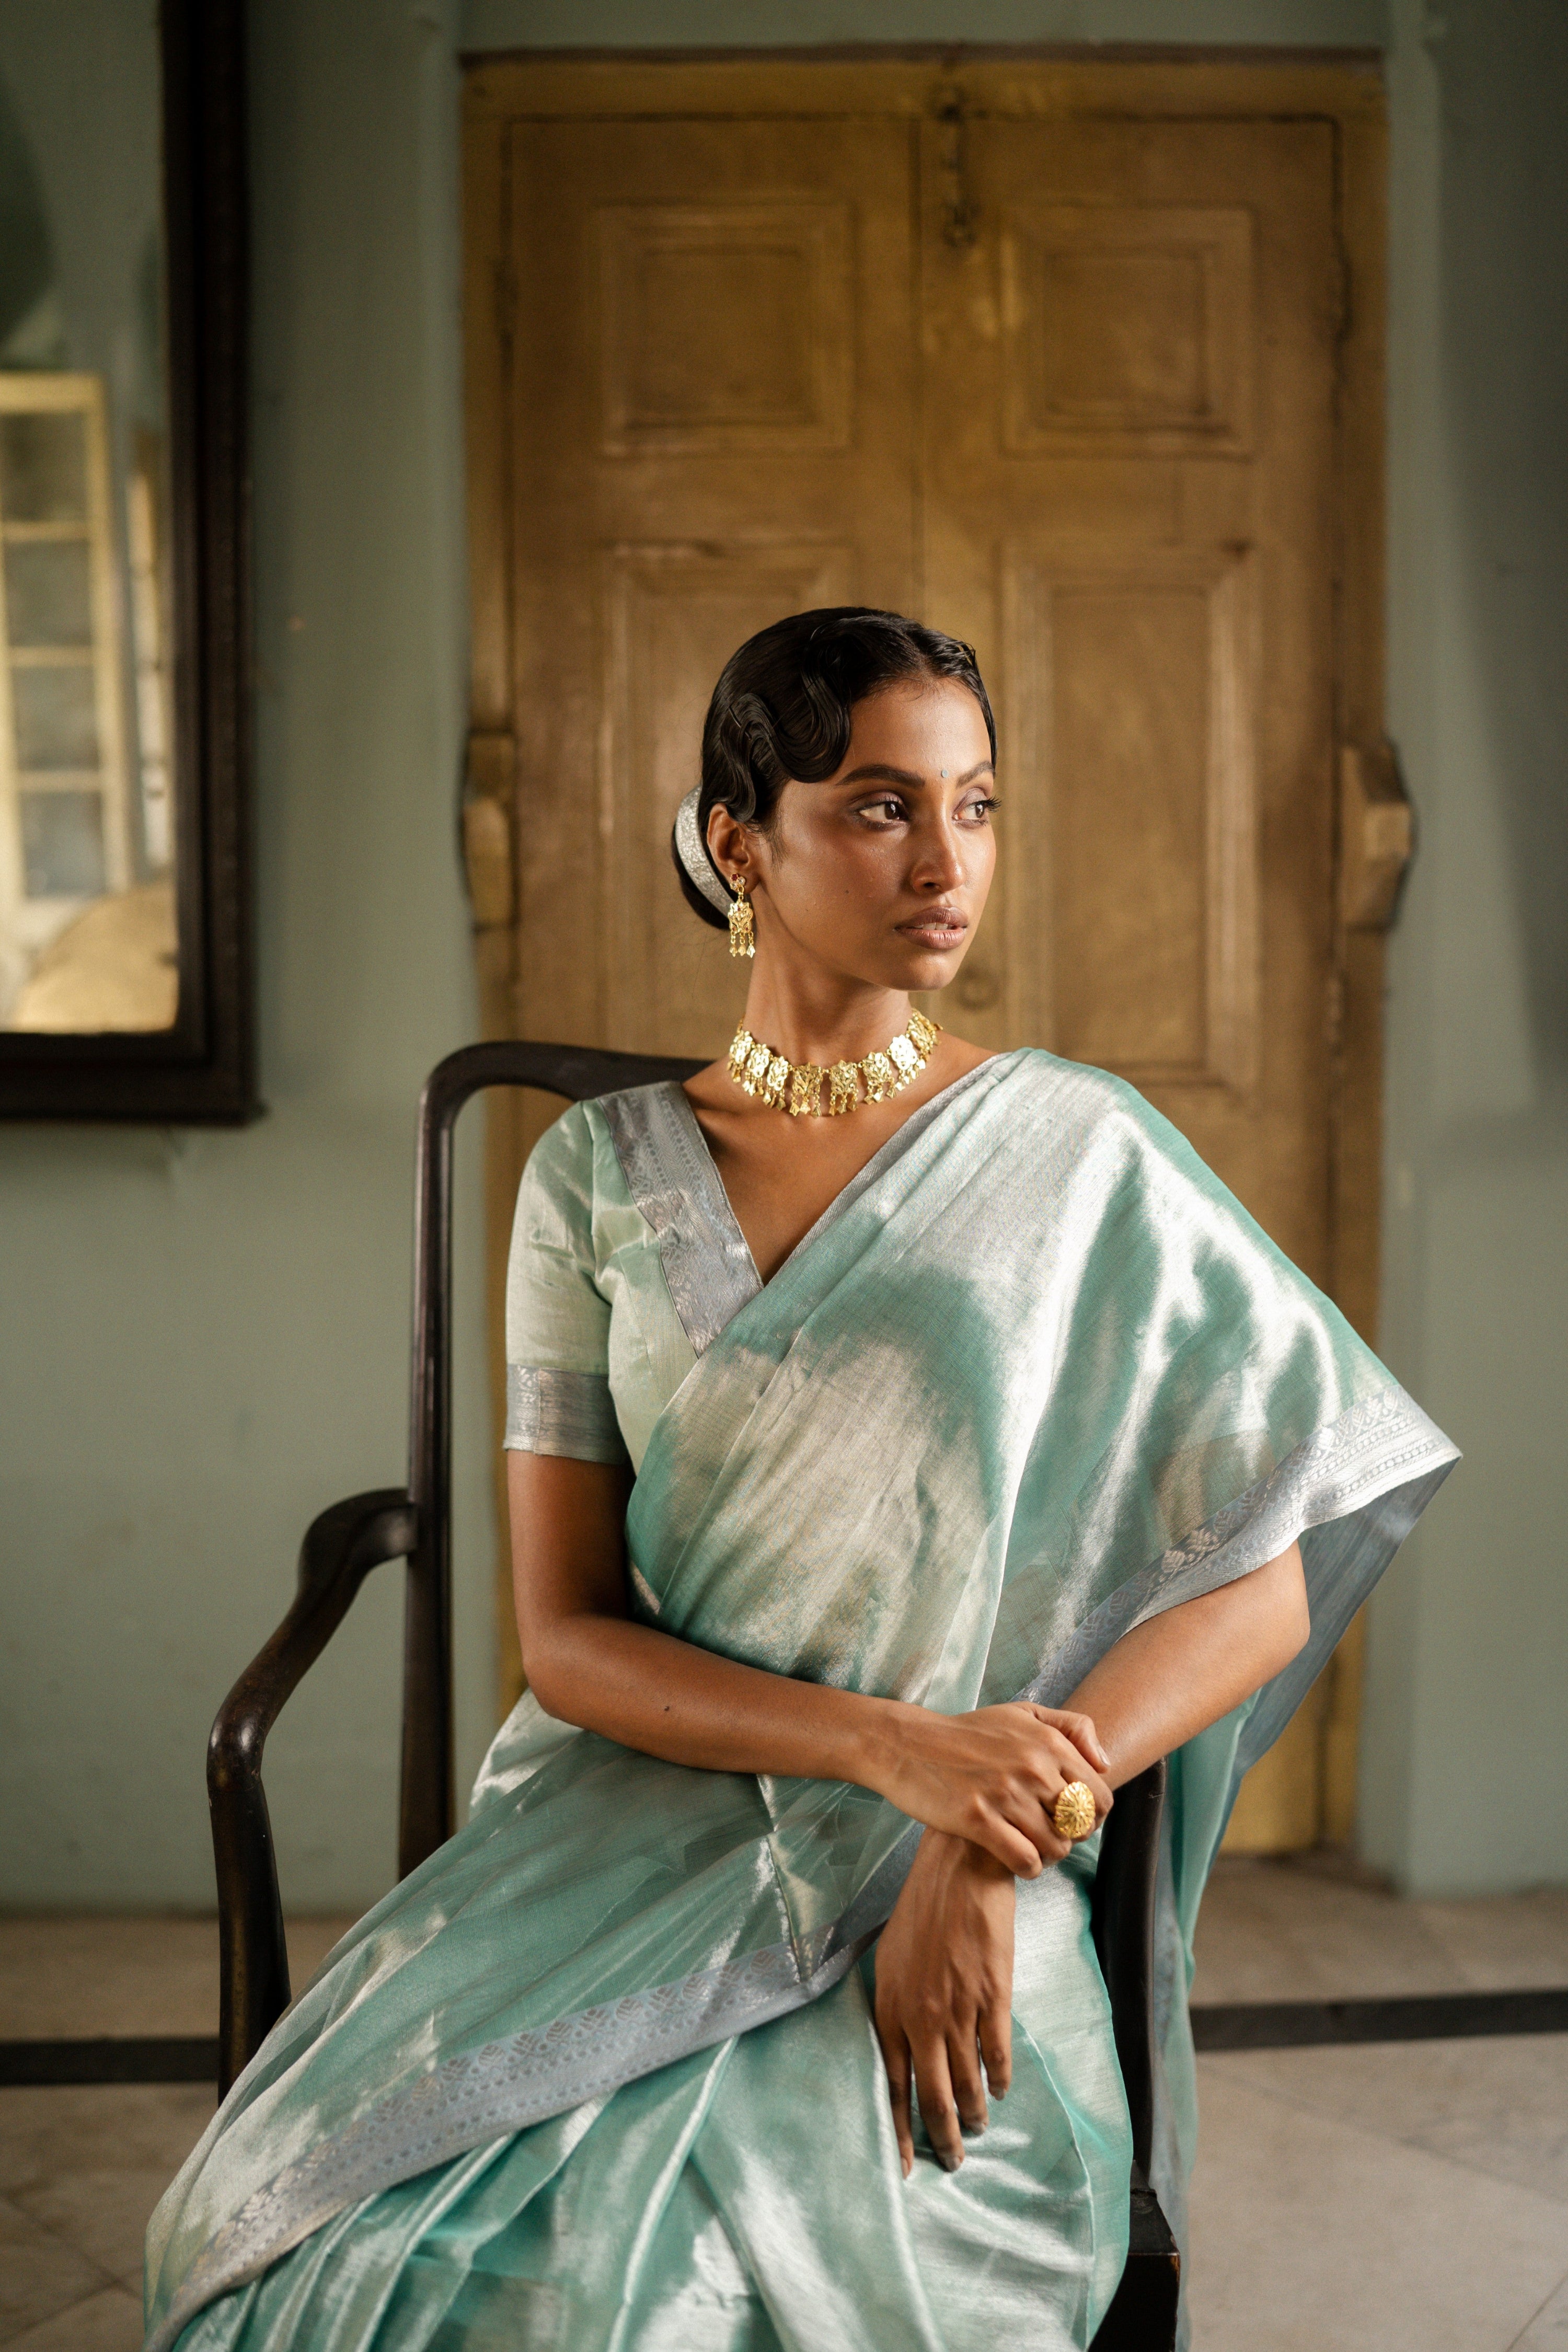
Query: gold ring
[1073,1813]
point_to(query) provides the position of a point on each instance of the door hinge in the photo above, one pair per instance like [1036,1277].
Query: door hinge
[959,211]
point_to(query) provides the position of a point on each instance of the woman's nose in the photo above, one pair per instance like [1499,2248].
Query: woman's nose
[941,863]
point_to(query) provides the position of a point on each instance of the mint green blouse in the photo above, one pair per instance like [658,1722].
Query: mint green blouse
[627,1263]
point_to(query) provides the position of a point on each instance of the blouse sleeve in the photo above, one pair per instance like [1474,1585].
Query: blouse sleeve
[557,1319]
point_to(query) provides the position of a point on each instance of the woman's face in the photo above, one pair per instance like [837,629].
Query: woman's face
[880,873]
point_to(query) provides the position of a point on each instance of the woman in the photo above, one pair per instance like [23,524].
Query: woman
[908,1445]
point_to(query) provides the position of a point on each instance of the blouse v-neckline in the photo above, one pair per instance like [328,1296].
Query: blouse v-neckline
[674,1182]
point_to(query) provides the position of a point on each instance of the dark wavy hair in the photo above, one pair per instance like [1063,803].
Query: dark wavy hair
[782,708]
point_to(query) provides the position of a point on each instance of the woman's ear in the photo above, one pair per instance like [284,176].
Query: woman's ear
[730,846]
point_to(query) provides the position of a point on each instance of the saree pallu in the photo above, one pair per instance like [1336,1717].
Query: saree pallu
[602,2071]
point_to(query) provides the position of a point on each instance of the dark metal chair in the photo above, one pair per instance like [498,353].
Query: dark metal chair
[413,1523]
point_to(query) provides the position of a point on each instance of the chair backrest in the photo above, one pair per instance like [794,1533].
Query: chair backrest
[427,1800]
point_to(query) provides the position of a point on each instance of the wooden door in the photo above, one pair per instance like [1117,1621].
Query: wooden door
[1057,363]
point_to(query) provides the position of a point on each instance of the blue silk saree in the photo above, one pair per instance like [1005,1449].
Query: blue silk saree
[601,2074]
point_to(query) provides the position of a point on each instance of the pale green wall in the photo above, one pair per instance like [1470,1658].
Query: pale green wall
[1466,1707]
[206,1334]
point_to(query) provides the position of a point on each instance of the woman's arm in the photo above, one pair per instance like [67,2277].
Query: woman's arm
[981,1783]
[1173,1676]
[988,1777]
[944,1963]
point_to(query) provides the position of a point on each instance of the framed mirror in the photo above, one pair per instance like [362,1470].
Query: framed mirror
[125,920]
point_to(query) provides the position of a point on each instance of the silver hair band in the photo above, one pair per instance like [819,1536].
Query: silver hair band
[692,852]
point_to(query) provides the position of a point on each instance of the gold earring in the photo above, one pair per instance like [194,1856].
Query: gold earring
[742,923]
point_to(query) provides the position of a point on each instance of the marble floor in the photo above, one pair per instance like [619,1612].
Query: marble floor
[82,2168]
[1410,2196]
[1407,2197]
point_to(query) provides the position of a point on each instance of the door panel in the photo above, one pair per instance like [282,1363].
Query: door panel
[1132,937]
[1126,329]
[1161,296]
[726,328]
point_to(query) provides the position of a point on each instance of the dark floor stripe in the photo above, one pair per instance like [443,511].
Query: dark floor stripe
[1411,2017]
[1217,2025]
[155,2058]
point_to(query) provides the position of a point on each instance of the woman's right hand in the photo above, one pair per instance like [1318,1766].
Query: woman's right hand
[991,1777]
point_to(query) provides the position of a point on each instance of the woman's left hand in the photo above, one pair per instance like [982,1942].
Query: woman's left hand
[945,1994]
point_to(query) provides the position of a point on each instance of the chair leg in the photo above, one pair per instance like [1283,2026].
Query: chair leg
[1142,2314]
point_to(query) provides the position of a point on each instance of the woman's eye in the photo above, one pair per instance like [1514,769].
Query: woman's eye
[889,812]
[978,811]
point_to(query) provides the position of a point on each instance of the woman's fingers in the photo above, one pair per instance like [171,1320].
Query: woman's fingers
[946,2073]
[1031,1818]
[896,2059]
[939,2110]
[1016,1844]
[943,1997]
[996,2033]
[1070,1762]
[1080,1731]
[963,2073]
[1060,1761]
[1103,1799]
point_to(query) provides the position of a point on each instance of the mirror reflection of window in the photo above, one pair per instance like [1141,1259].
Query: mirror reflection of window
[154,716]
[88,924]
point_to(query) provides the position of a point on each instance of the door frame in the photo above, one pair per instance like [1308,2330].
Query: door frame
[1342,88]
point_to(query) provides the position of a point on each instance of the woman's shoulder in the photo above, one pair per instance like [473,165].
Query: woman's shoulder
[586,1160]
[1060,1098]
[586,1127]
[1050,1083]
[564,1149]
[571,1166]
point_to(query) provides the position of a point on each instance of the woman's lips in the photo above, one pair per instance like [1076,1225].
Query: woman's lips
[940,928]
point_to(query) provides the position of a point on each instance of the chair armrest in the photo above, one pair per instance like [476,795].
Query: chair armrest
[340,1547]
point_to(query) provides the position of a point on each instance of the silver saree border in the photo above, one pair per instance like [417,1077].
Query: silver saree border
[552,1411]
[673,1182]
[1384,1447]
[489,2095]
[1383,1441]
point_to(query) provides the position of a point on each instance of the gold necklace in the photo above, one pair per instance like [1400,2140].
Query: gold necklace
[796,1086]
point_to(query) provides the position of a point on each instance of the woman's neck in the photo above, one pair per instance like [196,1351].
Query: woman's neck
[832,1022]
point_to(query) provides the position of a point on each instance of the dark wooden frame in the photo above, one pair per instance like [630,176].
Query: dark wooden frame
[413,1523]
[201,1071]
